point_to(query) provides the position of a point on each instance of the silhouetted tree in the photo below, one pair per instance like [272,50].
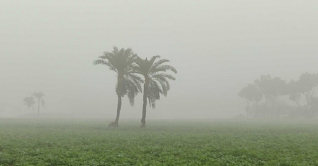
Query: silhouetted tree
[271,88]
[252,95]
[121,61]
[156,81]
[39,96]
[307,84]
[307,87]
[294,92]
[268,88]
[29,101]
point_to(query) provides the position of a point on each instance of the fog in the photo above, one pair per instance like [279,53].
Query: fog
[218,47]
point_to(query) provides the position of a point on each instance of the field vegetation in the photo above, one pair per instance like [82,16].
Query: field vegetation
[163,142]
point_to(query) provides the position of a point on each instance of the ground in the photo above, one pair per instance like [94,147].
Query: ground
[164,142]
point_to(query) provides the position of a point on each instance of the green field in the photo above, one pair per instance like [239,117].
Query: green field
[163,142]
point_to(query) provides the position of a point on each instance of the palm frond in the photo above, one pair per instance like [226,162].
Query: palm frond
[164,68]
[103,62]
[155,87]
[132,90]
[137,80]
[115,49]
[163,87]
[162,75]
[110,57]
[158,80]
[152,60]
[38,94]
[155,65]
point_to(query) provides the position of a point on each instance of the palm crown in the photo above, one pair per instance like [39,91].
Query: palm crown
[156,81]
[121,61]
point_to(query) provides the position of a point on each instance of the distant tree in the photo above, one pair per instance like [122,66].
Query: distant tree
[294,92]
[121,61]
[271,88]
[252,95]
[156,81]
[29,101]
[266,88]
[307,85]
[39,96]
[313,107]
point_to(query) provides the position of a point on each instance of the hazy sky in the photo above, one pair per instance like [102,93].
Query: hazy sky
[217,47]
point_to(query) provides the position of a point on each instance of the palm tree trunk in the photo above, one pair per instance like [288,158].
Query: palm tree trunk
[39,107]
[115,123]
[118,109]
[143,118]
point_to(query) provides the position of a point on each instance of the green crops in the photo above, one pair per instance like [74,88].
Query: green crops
[169,142]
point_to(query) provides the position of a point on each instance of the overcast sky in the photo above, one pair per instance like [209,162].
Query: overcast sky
[218,47]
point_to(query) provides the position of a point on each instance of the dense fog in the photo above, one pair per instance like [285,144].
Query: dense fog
[218,47]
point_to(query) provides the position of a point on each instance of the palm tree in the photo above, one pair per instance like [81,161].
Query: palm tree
[156,81]
[29,101]
[39,96]
[121,61]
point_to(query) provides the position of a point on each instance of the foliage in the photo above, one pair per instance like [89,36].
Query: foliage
[44,143]
[156,80]
[39,96]
[128,83]
[270,89]
[121,61]
[251,93]
[307,85]
[29,101]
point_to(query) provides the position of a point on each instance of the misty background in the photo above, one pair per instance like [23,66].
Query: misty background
[218,47]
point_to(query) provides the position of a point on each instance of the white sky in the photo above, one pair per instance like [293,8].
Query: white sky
[217,47]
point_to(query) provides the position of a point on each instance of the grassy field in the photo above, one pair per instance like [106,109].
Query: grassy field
[166,142]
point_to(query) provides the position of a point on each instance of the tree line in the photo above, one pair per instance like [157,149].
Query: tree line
[133,71]
[274,97]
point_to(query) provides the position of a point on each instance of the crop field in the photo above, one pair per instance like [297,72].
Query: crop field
[163,142]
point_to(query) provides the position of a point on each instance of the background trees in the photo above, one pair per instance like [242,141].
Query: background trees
[121,61]
[270,97]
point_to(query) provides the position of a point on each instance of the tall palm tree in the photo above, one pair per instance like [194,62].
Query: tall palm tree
[156,81]
[121,61]
[29,101]
[39,96]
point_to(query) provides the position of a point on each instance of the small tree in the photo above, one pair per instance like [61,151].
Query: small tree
[29,101]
